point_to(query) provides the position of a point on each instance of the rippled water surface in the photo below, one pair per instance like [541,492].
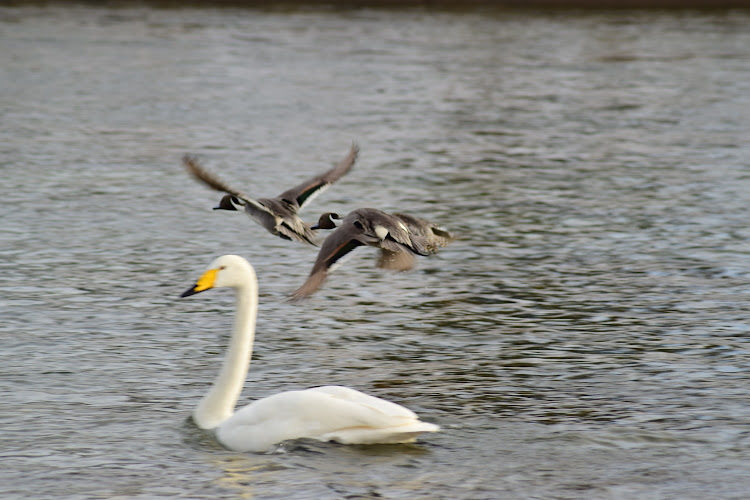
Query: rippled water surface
[585,337]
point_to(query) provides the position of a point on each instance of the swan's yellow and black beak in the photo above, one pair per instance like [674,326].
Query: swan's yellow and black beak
[205,282]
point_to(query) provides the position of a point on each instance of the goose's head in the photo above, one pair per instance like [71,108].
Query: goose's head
[226,271]
[230,202]
[328,220]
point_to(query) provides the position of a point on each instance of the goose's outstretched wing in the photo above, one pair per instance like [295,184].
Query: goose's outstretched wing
[342,241]
[305,192]
[429,237]
[199,173]
[396,261]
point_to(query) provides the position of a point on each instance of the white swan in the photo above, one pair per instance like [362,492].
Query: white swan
[330,413]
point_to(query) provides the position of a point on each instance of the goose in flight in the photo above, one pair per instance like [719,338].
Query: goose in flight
[399,237]
[328,413]
[277,215]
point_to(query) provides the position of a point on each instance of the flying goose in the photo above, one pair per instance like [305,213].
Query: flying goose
[399,237]
[328,413]
[277,215]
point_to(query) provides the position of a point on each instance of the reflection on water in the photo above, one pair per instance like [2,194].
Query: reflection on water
[584,337]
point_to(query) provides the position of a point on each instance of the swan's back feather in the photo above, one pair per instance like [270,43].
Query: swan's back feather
[383,406]
[325,413]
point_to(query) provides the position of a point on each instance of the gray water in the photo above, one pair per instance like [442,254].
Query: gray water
[586,336]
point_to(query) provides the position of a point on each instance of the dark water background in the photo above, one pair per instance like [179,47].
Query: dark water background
[585,337]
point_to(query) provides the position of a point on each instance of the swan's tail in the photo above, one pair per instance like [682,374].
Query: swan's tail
[406,433]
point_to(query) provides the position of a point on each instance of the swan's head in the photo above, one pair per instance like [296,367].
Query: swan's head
[328,220]
[226,271]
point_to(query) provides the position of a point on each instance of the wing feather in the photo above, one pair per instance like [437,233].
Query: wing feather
[199,173]
[342,241]
[326,413]
[395,261]
[296,232]
[305,192]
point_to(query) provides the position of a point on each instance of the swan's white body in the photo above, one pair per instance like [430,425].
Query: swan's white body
[330,413]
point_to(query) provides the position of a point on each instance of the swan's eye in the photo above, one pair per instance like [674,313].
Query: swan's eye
[221,268]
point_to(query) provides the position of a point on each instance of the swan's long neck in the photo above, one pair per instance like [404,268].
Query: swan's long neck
[218,404]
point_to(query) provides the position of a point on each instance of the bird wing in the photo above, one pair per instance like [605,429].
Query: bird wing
[326,413]
[286,222]
[379,405]
[400,242]
[327,407]
[342,241]
[426,229]
[395,260]
[296,230]
[199,173]
[305,192]
[426,235]
[382,230]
